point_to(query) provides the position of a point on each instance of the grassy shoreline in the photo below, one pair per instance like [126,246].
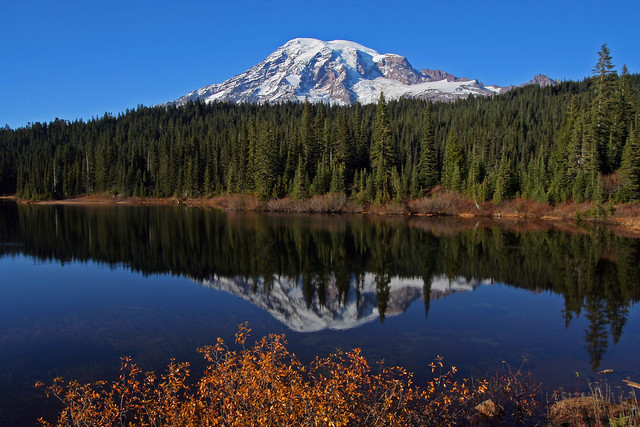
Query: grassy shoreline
[623,217]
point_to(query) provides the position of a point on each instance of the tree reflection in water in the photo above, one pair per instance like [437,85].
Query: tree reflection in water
[596,271]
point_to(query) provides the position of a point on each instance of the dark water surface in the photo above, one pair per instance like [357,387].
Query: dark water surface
[82,286]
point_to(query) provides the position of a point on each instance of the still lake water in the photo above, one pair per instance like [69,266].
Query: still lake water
[82,286]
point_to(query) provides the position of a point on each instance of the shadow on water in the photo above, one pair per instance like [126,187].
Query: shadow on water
[316,273]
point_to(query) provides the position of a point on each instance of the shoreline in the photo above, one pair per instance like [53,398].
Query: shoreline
[624,217]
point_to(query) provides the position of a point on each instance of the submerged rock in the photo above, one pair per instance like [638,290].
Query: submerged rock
[489,409]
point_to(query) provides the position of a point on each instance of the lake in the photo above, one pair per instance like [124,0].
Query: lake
[81,286]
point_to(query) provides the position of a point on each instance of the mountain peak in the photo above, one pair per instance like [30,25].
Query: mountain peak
[336,72]
[542,80]
[336,45]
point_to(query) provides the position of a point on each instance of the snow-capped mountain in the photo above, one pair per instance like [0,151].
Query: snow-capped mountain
[286,301]
[336,72]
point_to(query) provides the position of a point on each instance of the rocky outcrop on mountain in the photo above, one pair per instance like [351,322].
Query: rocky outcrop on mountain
[542,80]
[435,75]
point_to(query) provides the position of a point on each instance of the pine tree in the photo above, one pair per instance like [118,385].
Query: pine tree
[308,138]
[300,187]
[604,84]
[342,151]
[504,179]
[382,153]
[630,169]
[252,155]
[475,174]
[337,179]
[453,163]
[428,163]
[360,144]
[414,182]
[564,156]
[265,163]
[621,115]
[321,136]
[322,179]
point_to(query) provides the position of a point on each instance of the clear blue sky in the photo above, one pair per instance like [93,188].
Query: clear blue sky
[79,59]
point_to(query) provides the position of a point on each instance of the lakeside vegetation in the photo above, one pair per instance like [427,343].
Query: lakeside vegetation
[576,141]
[265,384]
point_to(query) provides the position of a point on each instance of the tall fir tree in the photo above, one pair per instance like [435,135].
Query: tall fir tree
[453,164]
[300,186]
[428,163]
[382,153]
[342,154]
[266,162]
[604,85]
[308,138]
[621,116]
[504,179]
[630,169]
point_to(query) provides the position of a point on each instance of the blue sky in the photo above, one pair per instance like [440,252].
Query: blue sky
[80,59]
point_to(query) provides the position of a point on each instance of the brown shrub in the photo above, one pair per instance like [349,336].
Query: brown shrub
[266,385]
[599,407]
[442,203]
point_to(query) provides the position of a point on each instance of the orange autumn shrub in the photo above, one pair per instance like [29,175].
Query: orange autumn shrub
[266,385]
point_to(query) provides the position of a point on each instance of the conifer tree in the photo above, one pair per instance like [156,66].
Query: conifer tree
[382,153]
[475,174]
[504,179]
[265,162]
[337,179]
[621,116]
[308,138]
[630,169]
[322,179]
[414,182]
[453,164]
[360,140]
[604,84]
[342,152]
[563,161]
[300,186]
[428,163]
[294,150]
[321,134]
[252,155]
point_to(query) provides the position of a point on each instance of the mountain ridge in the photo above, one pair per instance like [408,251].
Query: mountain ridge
[340,72]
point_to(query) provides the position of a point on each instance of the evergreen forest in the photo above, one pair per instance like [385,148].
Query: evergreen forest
[574,141]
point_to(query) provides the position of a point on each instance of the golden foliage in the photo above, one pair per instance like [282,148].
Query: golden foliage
[265,385]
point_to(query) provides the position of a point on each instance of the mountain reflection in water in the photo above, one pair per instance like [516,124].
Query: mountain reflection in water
[286,302]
